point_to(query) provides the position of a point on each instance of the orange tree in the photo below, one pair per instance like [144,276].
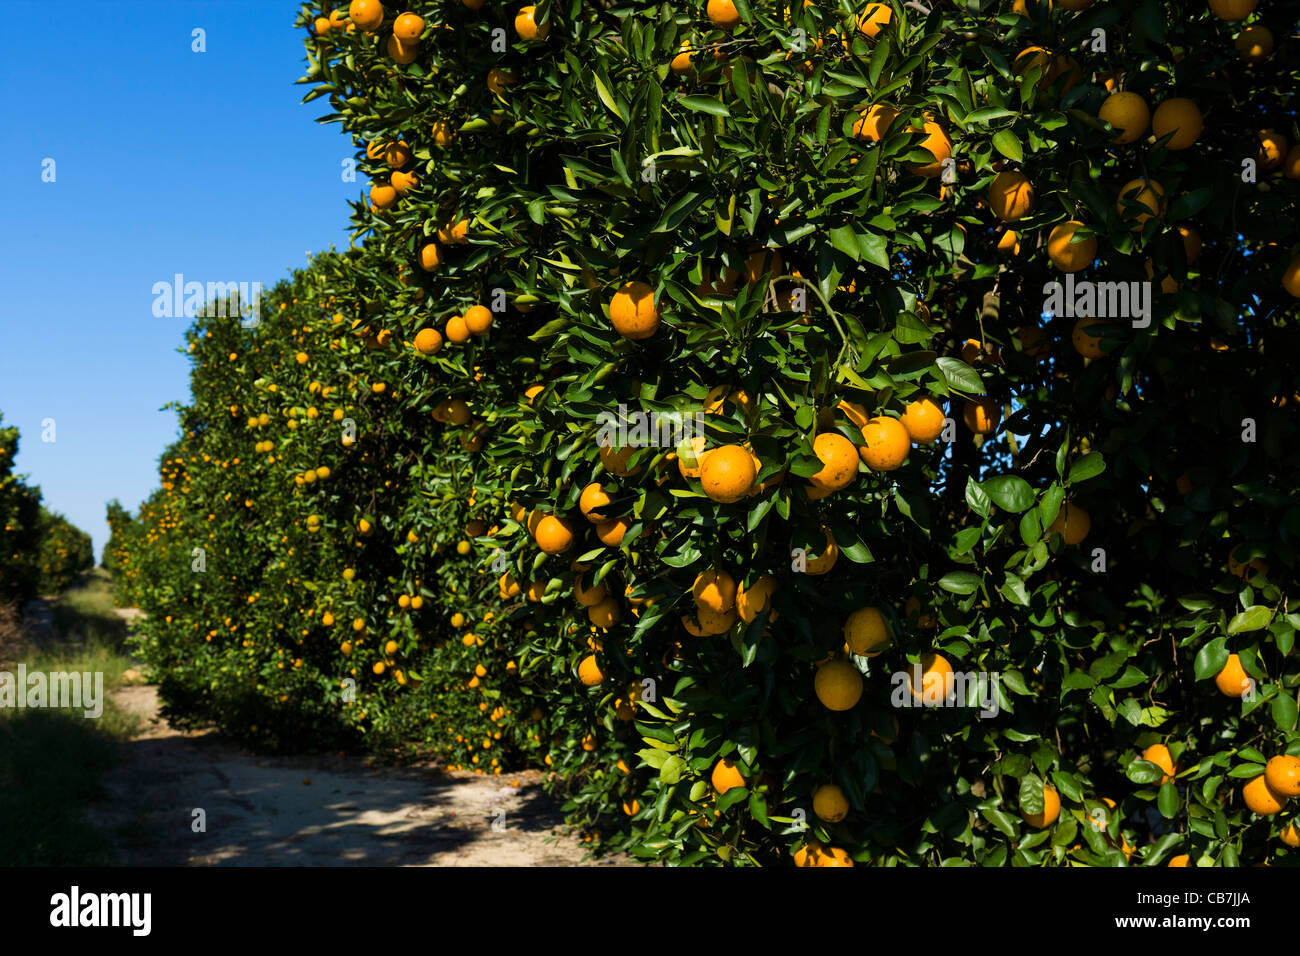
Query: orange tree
[20,514]
[66,551]
[950,571]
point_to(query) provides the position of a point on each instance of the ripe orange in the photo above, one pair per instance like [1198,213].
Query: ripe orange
[754,600]
[1232,9]
[722,14]
[1291,277]
[404,182]
[1072,523]
[554,535]
[1139,200]
[982,415]
[1261,798]
[457,330]
[632,311]
[923,420]
[1009,242]
[1181,117]
[478,319]
[592,499]
[1254,43]
[707,623]
[1128,113]
[1232,679]
[1159,755]
[727,473]
[1283,775]
[937,144]
[839,463]
[430,257]
[366,14]
[408,27]
[1086,337]
[428,341]
[589,671]
[1051,810]
[605,614]
[1011,196]
[1067,254]
[322,26]
[827,559]
[715,590]
[937,680]
[383,195]
[611,532]
[589,597]
[527,27]
[887,443]
[400,52]
[1273,147]
[865,630]
[681,63]
[829,803]
[1291,164]
[615,461]
[726,775]
[838,685]
[1290,834]
[498,79]
[873,18]
[874,122]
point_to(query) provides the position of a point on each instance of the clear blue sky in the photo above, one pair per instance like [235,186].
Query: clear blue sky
[168,161]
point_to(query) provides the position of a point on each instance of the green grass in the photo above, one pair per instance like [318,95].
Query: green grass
[52,761]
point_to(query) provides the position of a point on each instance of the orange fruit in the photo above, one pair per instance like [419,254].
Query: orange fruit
[1147,194]
[1009,242]
[981,415]
[937,144]
[632,311]
[886,443]
[1067,254]
[1159,755]
[408,27]
[1290,835]
[1128,113]
[1283,775]
[838,685]
[707,623]
[527,27]
[553,535]
[865,630]
[1291,164]
[873,18]
[615,461]
[754,600]
[937,680]
[1273,147]
[1181,117]
[1086,337]
[873,122]
[1011,196]
[1182,859]
[589,671]
[827,559]
[681,63]
[1232,679]
[605,614]
[1254,43]
[1072,523]
[400,52]
[1232,10]
[1051,810]
[611,532]
[478,319]
[1033,341]
[923,420]
[589,597]
[383,195]
[722,14]
[727,473]
[1261,798]
[839,463]
[430,256]
[457,330]
[726,775]
[498,79]
[428,341]
[592,499]
[1291,277]
[366,14]
[714,590]
[829,803]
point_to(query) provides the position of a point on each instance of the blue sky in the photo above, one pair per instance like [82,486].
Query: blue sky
[167,161]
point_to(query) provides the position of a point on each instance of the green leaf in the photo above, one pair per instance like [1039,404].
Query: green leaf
[1089,466]
[672,769]
[705,104]
[1211,658]
[960,376]
[1006,143]
[1284,712]
[1009,492]
[1167,801]
[1144,771]
[1252,619]
[960,582]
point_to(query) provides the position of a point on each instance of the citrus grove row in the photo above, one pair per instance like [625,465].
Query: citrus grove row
[41,552]
[695,415]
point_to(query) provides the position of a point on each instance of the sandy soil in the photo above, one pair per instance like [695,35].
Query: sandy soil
[278,811]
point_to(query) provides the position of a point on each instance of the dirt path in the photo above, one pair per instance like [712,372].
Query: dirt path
[263,811]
